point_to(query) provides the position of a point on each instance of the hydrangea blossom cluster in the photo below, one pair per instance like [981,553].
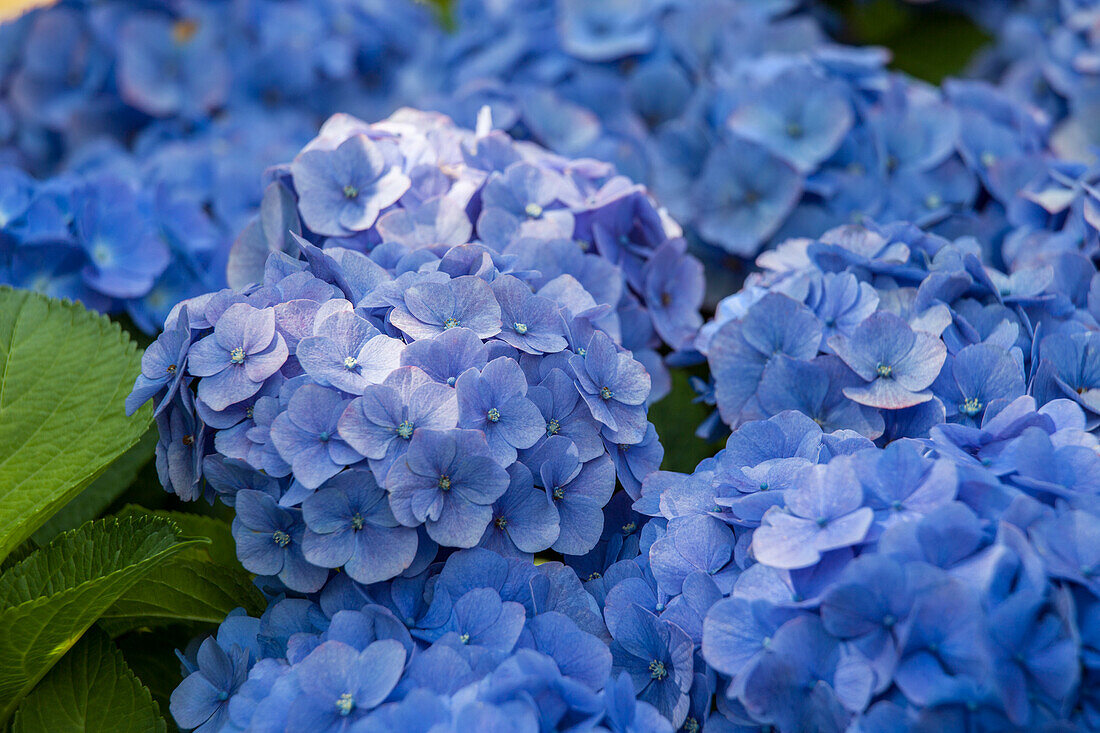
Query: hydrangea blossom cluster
[747,124]
[944,583]
[442,360]
[889,331]
[150,123]
[480,642]
[1044,54]
[83,72]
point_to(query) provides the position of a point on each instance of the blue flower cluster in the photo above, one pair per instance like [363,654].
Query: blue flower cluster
[463,357]
[149,123]
[945,583]
[478,643]
[888,331]
[741,117]
[1044,54]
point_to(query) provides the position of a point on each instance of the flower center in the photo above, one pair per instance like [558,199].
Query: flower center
[344,704]
[794,130]
[582,351]
[606,393]
[249,411]
[933,201]
[629,527]
[350,191]
[500,522]
[493,414]
[188,439]
[184,30]
[666,299]
[350,362]
[237,355]
[324,437]
[465,638]
[553,427]
[533,210]
[280,538]
[445,483]
[558,492]
[521,328]
[989,158]
[357,522]
[971,407]
[171,369]
[405,429]
[450,323]
[884,370]
[595,575]
[657,670]
[691,725]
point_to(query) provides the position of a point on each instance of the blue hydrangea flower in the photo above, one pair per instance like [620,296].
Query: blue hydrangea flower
[524,522]
[340,684]
[348,353]
[380,424]
[349,524]
[823,513]
[448,482]
[657,657]
[495,403]
[613,385]
[269,542]
[341,191]
[897,363]
[201,702]
[244,350]
[307,438]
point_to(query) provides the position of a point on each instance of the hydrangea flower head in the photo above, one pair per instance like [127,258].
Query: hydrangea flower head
[375,399]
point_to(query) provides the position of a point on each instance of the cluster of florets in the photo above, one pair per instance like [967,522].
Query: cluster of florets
[155,121]
[449,368]
[745,122]
[89,71]
[480,643]
[1043,54]
[888,331]
[947,583]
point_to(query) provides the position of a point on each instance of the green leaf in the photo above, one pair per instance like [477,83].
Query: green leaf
[183,590]
[222,548]
[101,493]
[152,656]
[199,586]
[64,375]
[49,600]
[90,689]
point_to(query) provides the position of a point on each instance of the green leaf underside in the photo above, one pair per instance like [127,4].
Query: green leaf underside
[64,375]
[92,501]
[49,600]
[90,690]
